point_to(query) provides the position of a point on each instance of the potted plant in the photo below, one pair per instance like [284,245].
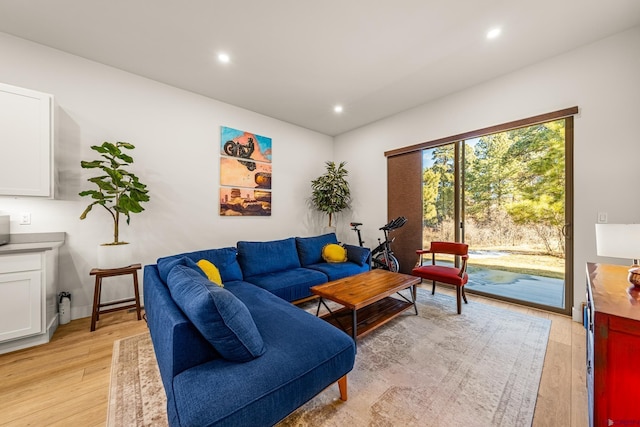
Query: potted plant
[118,191]
[331,190]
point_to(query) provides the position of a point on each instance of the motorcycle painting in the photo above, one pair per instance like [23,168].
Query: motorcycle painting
[245,173]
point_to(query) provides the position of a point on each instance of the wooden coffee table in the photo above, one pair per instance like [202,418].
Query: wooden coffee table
[366,299]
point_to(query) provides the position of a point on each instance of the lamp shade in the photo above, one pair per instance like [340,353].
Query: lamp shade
[618,240]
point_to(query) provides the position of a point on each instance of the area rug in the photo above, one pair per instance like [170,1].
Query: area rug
[136,394]
[480,368]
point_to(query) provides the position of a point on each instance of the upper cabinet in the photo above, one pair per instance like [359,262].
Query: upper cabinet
[26,142]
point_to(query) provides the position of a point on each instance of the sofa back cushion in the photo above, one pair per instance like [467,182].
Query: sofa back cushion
[165,265]
[310,248]
[267,257]
[225,259]
[220,317]
[358,254]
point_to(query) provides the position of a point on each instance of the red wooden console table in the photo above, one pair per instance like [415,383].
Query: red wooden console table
[613,346]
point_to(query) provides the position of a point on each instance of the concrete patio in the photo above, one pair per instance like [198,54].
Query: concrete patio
[541,290]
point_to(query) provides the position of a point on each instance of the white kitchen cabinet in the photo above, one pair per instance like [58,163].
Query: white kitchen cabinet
[28,290]
[26,142]
[21,296]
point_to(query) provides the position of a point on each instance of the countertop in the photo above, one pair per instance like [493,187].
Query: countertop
[32,242]
[611,291]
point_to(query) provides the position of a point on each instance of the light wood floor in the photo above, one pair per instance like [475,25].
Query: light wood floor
[66,382]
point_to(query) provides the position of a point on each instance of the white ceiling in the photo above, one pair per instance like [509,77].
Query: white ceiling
[295,59]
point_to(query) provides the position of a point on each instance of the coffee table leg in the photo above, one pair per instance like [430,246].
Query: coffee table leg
[354,328]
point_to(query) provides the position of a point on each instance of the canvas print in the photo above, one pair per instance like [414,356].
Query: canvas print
[244,202]
[245,145]
[245,173]
[235,174]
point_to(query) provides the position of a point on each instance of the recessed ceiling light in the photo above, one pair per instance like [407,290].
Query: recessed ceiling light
[338,109]
[493,33]
[224,58]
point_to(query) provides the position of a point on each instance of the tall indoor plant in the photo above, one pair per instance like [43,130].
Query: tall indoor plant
[330,191]
[119,191]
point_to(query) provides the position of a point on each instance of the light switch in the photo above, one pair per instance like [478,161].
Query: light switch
[25,218]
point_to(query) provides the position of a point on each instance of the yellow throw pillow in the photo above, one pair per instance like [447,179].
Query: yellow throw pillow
[211,271]
[334,253]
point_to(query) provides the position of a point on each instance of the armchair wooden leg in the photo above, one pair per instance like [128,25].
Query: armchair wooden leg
[342,385]
[459,298]
[433,290]
[464,296]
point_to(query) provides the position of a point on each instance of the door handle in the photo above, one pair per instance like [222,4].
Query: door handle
[565,229]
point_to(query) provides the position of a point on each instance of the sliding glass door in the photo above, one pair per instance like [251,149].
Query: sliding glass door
[506,195]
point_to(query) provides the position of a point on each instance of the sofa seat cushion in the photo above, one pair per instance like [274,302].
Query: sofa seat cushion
[289,285]
[310,248]
[335,271]
[225,260]
[304,355]
[267,257]
[219,316]
[441,273]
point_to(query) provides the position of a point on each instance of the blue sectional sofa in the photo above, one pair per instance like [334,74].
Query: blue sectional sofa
[241,354]
[288,268]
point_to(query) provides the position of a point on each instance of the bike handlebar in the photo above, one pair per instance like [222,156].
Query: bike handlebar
[392,225]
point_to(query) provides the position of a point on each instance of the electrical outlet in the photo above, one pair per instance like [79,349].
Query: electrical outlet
[25,218]
[602,217]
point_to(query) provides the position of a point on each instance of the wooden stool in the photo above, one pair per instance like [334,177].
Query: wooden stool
[110,272]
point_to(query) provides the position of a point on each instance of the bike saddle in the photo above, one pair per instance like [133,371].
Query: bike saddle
[355,224]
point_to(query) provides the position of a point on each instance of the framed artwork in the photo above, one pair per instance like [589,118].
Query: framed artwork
[245,173]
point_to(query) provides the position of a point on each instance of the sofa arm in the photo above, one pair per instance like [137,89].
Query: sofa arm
[176,341]
[358,254]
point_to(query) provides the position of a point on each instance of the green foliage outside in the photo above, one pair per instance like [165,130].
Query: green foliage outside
[514,190]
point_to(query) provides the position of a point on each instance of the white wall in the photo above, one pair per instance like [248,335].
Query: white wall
[177,137]
[602,79]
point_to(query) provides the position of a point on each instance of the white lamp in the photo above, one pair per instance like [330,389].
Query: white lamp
[620,241]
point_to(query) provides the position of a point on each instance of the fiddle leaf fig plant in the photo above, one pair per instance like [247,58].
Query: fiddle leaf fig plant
[118,191]
[330,191]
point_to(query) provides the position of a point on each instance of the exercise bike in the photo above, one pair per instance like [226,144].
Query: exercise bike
[382,255]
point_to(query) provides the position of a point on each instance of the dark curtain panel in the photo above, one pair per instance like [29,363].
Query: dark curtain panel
[404,198]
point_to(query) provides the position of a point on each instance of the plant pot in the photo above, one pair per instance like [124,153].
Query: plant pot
[114,256]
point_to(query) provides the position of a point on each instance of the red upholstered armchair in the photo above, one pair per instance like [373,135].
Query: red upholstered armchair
[444,274]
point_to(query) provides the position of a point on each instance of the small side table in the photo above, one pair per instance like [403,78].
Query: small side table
[100,273]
